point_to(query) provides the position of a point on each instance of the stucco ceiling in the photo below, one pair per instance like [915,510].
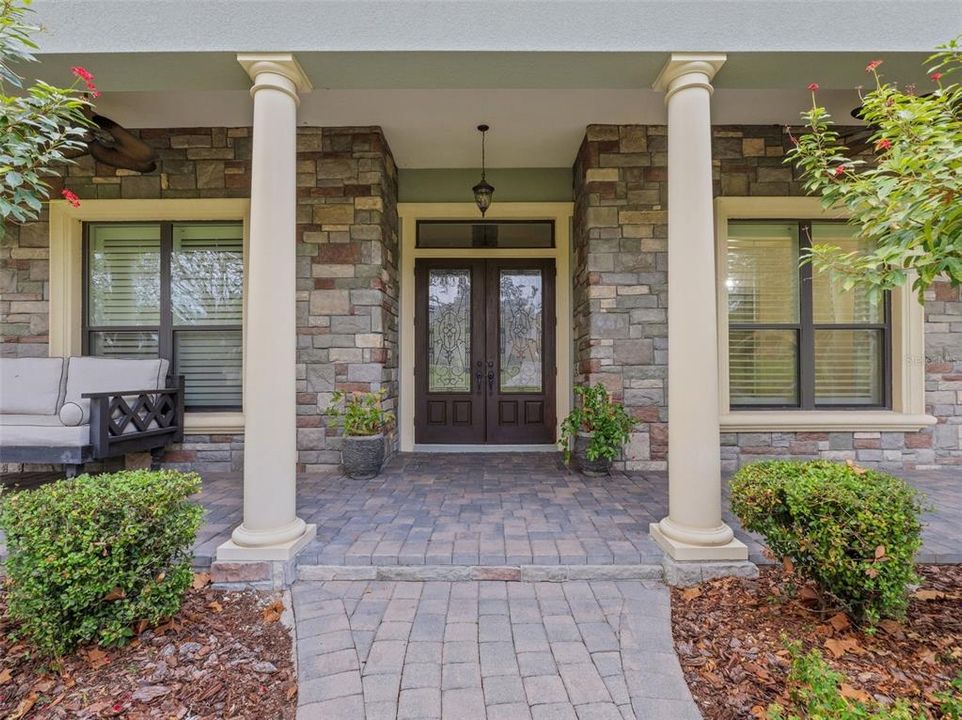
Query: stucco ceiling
[129,72]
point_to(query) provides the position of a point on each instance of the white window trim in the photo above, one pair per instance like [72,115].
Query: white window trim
[66,272]
[908,340]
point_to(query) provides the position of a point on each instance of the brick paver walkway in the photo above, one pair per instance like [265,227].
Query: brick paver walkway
[495,650]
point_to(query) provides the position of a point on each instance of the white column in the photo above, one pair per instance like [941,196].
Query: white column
[271,529]
[693,529]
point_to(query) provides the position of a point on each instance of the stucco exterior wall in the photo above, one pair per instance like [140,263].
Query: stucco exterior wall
[620,300]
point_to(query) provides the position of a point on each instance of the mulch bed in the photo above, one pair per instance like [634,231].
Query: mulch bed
[728,634]
[224,655]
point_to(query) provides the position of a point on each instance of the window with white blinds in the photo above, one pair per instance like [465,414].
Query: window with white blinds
[173,290]
[797,338]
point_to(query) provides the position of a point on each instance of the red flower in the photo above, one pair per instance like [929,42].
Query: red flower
[883,144]
[839,171]
[117,707]
[935,77]
[82,73]
[88,78]
[71,197]
[873,66]
[813,86]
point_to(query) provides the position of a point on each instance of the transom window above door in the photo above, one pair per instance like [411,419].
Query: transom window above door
[173,290]
[796,337]
[489,234]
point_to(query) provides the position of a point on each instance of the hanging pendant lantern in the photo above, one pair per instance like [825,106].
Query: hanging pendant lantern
[483,191]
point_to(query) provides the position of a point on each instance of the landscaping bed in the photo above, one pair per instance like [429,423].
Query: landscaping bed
[224,655]
[730,638]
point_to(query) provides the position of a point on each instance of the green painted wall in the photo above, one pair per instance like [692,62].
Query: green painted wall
[510,184]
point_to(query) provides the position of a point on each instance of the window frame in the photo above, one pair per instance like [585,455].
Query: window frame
[166,329]
[806,328]
[908,413]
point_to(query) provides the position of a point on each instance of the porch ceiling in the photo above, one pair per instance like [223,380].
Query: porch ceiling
[132,71]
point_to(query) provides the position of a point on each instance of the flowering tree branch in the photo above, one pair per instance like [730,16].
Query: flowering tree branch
[40,125]
[907,201]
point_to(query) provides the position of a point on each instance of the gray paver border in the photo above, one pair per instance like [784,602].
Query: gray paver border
[455,573]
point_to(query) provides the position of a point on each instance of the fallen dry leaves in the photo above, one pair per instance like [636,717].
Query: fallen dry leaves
[223,656]
[728,638]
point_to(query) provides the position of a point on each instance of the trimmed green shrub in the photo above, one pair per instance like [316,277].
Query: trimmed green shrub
[851,530]
[817,693]
[91,557]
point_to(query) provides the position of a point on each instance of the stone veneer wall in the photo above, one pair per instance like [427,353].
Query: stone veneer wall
[620,300]
[346,278]
[621,278]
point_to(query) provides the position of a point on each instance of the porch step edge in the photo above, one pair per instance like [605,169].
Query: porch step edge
[456,573]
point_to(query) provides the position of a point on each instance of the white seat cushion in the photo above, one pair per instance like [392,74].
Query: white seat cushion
[21,430]
[93,374]
[30,386]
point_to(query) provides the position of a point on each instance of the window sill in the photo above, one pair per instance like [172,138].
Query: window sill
[214,423]
[823,421]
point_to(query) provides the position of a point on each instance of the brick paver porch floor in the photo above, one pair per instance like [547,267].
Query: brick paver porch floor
[511,508]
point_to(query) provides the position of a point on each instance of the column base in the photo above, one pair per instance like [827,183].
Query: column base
[284,549]
[685,574]
[721,549]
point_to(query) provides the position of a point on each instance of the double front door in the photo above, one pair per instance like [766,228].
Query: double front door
[485,365]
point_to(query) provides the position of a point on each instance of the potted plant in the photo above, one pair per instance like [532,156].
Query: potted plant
[597,428]
[365,420]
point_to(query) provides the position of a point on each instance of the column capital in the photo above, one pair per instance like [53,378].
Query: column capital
[283,64]
[688,70]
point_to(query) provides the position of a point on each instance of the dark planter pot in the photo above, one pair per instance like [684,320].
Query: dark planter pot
[362,455]
[591,468]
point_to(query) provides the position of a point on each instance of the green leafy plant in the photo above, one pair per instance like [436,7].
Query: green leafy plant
[851,530]
[906,201]
[950,701]
[362,413]
[92,557]
[41,125]
[817,693]
[607,422]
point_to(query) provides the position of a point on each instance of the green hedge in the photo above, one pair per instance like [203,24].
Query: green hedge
[851,530]
[91,557]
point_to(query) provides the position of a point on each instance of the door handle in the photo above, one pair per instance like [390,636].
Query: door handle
[490,377]
[478,376]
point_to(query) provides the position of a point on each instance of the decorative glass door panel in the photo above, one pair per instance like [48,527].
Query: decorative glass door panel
[520,332]
[449,330]
[484,366]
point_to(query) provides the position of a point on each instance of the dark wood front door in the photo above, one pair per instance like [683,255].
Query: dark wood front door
[485,365]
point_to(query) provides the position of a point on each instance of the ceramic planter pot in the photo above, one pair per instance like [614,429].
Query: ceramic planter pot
[362,455]
[591,468]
